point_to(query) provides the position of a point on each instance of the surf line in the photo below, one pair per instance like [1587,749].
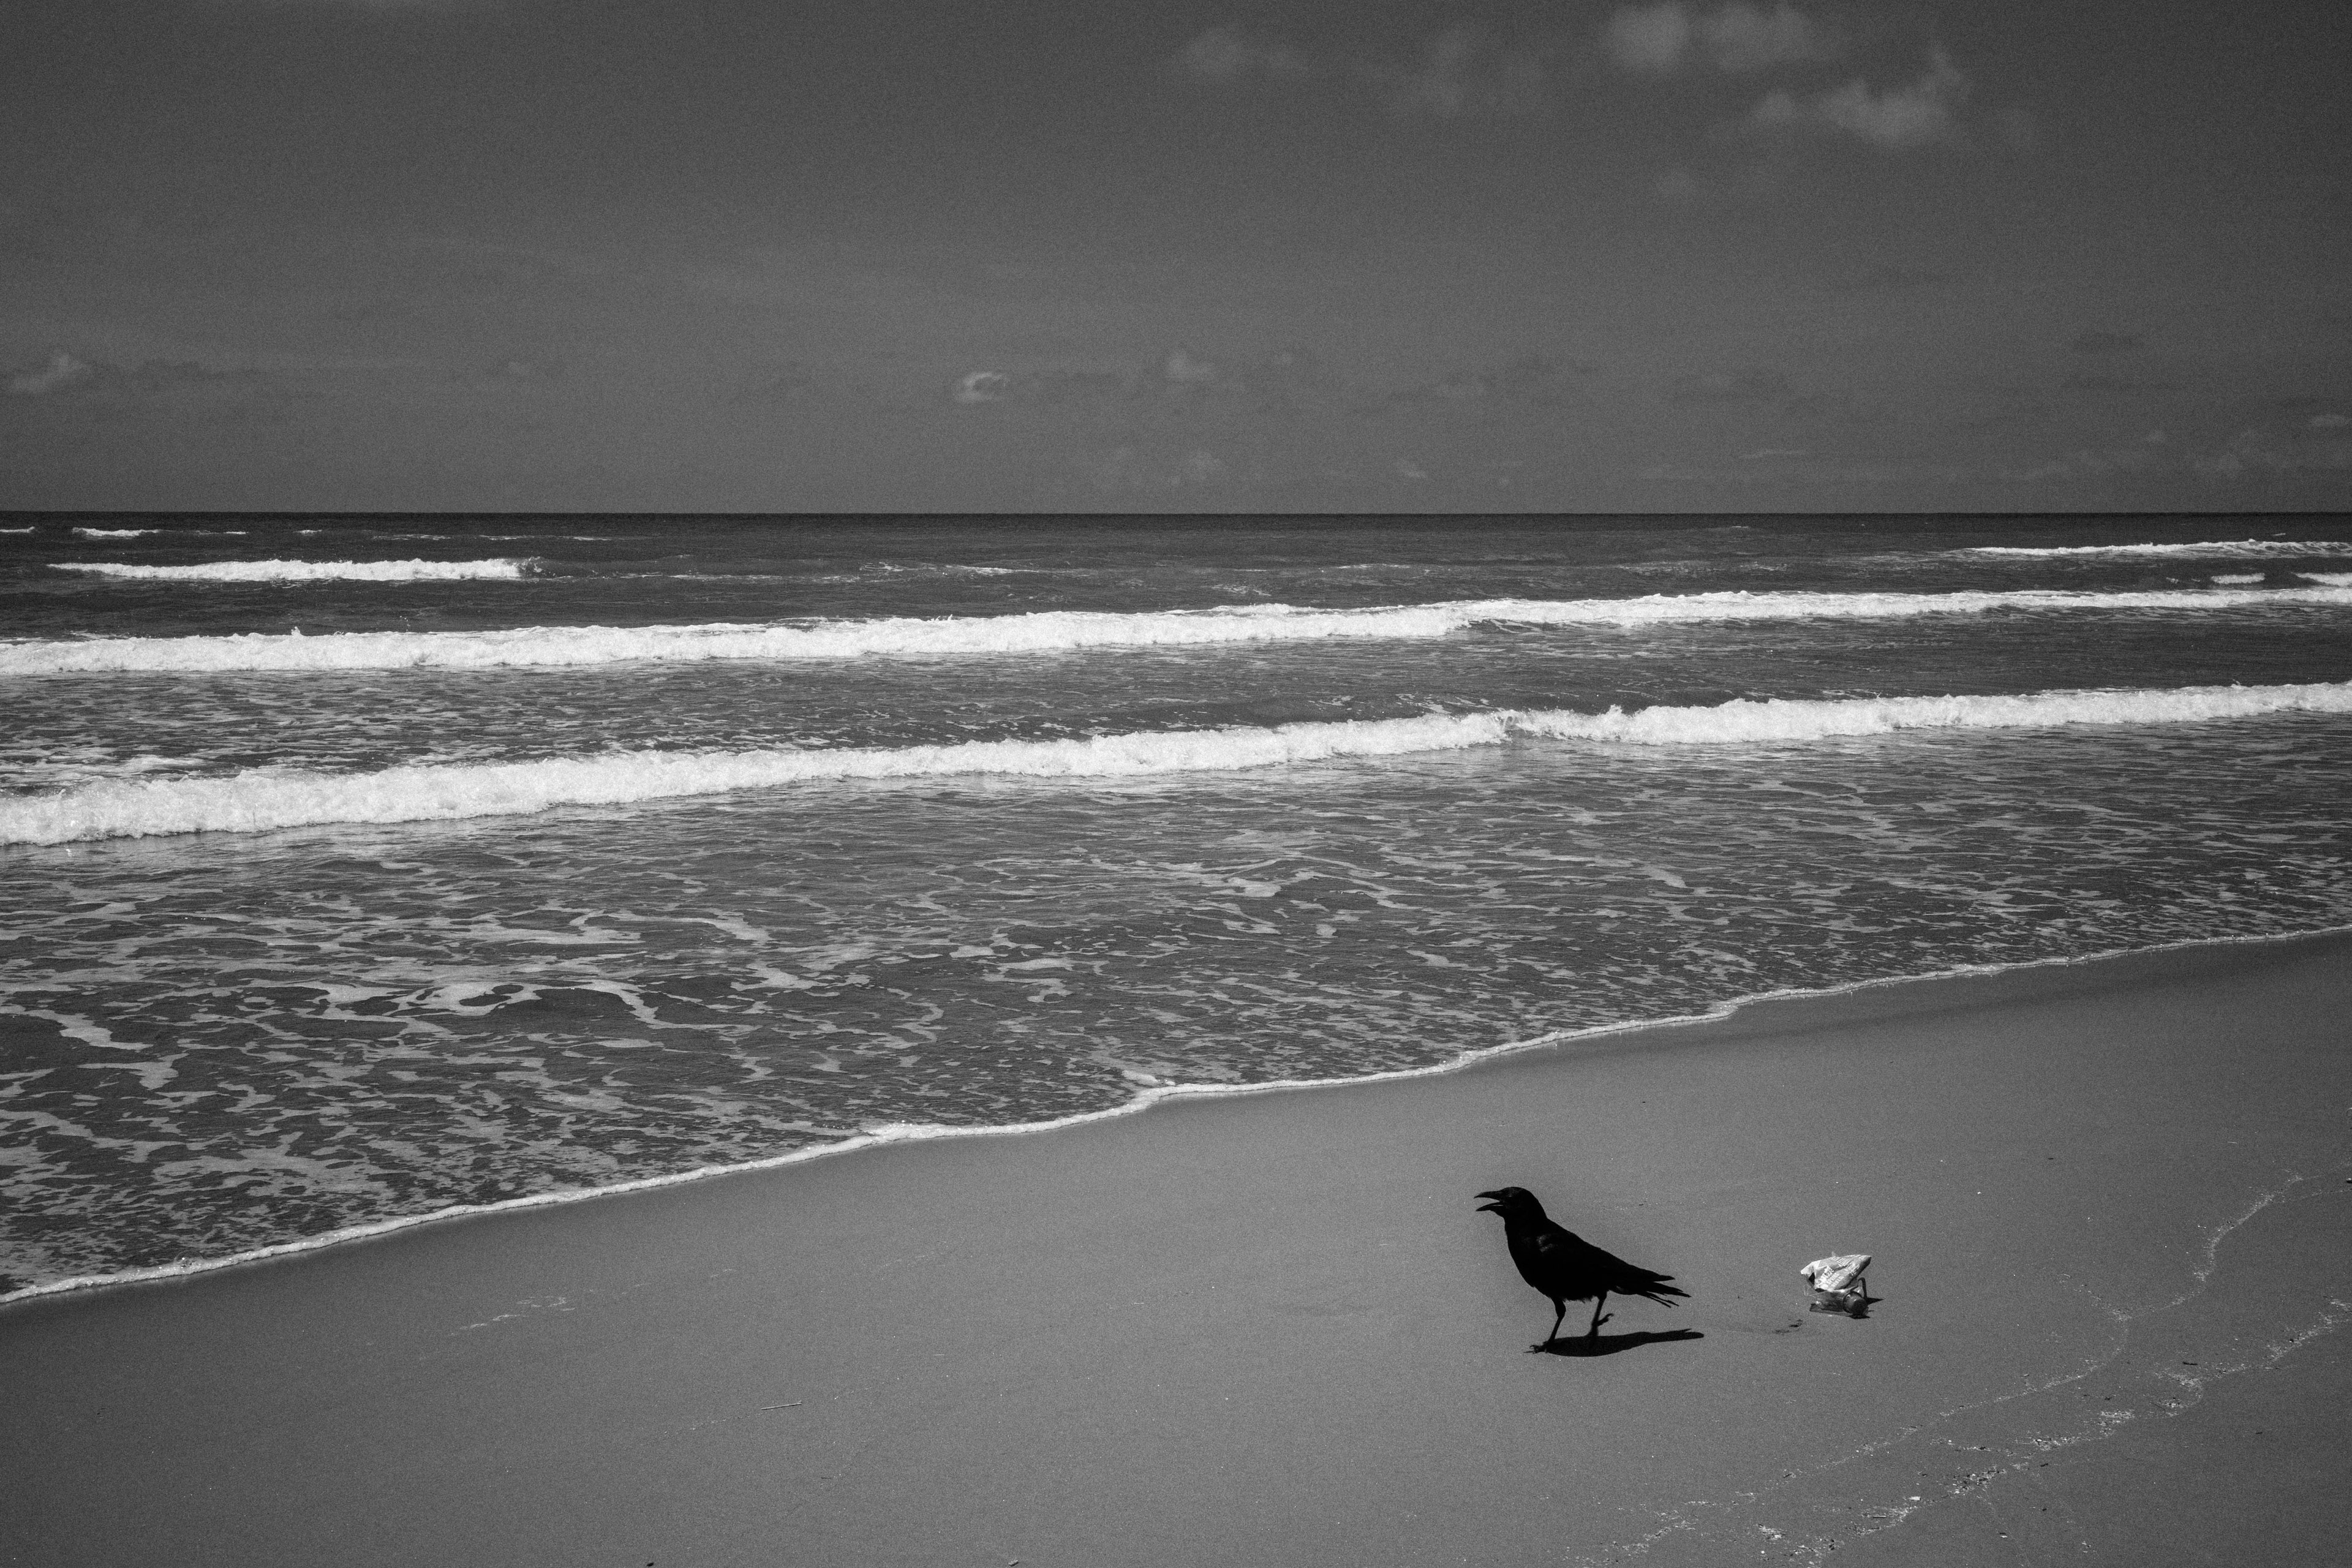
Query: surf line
[1030,631]
[263,799]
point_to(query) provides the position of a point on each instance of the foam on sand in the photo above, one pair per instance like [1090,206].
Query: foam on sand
[261,799]
[305,570]
[1045,631]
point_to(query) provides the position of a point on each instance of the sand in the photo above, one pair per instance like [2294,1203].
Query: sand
[2109,1204]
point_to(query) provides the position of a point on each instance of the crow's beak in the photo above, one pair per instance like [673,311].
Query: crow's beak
[1494,1207]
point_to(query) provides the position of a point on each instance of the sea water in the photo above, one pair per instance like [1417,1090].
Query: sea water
[360,870]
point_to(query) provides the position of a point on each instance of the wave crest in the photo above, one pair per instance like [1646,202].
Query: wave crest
[304,572]
[2226,549]
[259,800]
[1047,630]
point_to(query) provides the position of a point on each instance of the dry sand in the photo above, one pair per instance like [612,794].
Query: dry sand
[2108,1202]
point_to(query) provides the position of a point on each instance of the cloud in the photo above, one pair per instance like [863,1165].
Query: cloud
[363,7]
[1900,118]
[2097,341]
[1530,378]
[1649,38]
[1739,37]
[1743,38]
[1225,55]
[1463,74]
[2260,452]
[62,371]
[2117,384]
[1134,468]
[183,385]
[1460,74]
[380,6]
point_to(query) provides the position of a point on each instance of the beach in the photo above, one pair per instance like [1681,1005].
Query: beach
[2107,1201]
[1001,787]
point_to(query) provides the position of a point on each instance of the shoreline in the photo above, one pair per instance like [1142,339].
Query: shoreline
[1144,1099]
[2107,1200]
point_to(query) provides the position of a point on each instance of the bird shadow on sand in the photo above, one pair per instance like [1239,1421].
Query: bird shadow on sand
[1610,1344]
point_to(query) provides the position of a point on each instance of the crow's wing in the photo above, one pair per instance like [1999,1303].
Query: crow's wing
[1578,1269]
[1563,1264]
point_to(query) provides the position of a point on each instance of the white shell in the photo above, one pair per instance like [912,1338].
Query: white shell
[1836,1273]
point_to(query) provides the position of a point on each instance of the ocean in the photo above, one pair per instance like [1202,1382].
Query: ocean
[362,869]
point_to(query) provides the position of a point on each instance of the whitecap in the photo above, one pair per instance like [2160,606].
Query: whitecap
[2232,548]
[1046,631]
[307,571]
[261,799]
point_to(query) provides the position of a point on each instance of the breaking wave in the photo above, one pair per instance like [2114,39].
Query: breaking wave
[116,532]
[306,570]
[2230,548]
[1041,631]
[259,800]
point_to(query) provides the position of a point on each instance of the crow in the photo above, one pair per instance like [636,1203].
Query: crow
[1567,1267]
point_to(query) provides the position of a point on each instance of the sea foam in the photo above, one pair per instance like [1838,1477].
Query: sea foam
[305,570]
[261,799]
[1052,630]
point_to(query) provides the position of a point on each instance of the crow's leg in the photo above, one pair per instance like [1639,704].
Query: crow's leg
[1560,1318]
[1597,1318]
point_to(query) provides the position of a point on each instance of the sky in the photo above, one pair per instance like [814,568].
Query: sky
[1307,255]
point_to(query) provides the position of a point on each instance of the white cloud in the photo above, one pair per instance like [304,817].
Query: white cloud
[1227,54]
[62,371]
[2261,452]
[1459,74]
[1739,37]
[1917,114]
[1650,38]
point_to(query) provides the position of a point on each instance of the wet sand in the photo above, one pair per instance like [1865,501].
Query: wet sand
[2109,1205]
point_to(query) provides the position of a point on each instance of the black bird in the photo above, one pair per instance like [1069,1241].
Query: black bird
[1567,1267]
